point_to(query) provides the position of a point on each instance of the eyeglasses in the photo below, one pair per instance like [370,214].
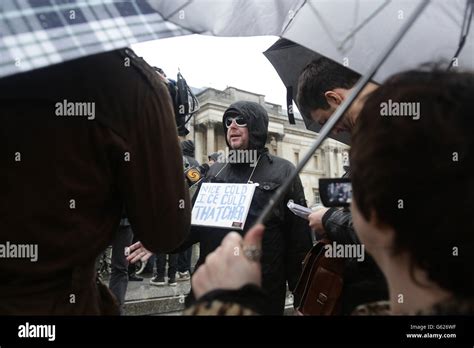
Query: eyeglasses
[240,121]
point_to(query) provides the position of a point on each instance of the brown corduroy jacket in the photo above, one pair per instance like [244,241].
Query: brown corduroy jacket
[66,173]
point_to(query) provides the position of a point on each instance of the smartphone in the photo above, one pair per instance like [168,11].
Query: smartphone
[335,192]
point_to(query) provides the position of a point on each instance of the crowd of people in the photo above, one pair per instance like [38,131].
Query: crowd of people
[124,174]
[403,172]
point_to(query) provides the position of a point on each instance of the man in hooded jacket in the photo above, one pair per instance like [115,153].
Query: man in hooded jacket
[287,237]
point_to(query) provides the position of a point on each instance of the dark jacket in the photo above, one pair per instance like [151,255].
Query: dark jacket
[287,238]
[363,281]
[187,148]
[103,164]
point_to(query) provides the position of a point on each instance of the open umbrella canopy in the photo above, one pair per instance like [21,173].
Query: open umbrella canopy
[353,33]
[230,18]
[354,37]
[38,33]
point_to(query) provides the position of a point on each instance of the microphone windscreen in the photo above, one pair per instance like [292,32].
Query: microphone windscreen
[193,175]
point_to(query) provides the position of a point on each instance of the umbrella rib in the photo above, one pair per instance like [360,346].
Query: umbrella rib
[466,25]
[353,32]
[323,24]
[292,18]
[167,18]
[364,23]
[176,11]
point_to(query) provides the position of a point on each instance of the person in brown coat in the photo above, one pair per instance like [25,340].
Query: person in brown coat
[80,142]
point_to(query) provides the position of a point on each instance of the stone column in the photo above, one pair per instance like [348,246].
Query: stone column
[328,163]
[210,139]
[279,139]
[340,171]
[333,166]
[199,144]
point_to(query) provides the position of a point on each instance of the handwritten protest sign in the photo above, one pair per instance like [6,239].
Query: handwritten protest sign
[222,205]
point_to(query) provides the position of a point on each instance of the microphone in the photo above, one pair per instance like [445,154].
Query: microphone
[194,174]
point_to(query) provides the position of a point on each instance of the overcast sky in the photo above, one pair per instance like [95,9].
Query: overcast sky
[208,61]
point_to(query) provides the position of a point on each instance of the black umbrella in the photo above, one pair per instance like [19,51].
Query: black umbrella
[289,59]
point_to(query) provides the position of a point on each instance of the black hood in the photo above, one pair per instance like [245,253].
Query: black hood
[187,147]
[214,156]
[257,122]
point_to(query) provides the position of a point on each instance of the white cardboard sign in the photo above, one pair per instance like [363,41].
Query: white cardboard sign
[222,205]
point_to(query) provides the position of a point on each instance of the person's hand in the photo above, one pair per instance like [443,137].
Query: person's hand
[138,252]
[228,267]
[316,221]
